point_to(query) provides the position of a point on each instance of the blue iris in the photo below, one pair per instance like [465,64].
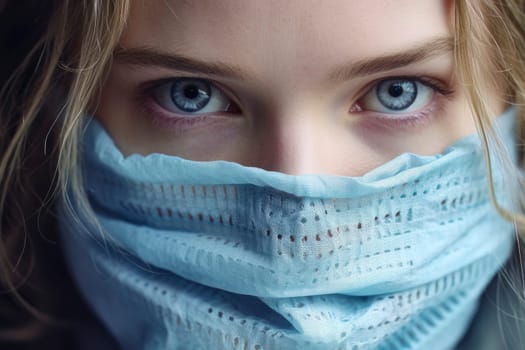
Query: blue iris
[397,94]
[190,95]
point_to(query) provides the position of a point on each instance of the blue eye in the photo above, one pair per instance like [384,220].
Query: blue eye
[191,96]
[397,95]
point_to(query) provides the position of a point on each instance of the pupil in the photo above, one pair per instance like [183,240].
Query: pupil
[397,94]
[190,95]
[395,90]
[191,92]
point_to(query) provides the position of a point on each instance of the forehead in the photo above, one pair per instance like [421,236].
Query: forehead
[280,33]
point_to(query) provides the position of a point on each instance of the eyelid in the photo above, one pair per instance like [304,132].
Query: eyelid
[146,89]
[437,85]
[169,117]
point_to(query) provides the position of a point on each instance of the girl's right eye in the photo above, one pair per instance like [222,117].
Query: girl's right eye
[191,97]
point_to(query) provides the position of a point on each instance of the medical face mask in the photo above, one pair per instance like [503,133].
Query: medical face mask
[215,255]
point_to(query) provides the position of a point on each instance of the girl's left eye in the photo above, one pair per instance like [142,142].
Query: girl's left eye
[399,95]
[191,96]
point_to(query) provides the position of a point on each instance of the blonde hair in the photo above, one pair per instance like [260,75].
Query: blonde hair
[44,98]
[41,104]
[497,28]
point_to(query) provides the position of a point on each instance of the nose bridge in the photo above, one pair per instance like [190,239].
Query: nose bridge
[291,144]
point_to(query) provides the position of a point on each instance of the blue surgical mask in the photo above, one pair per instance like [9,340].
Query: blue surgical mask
[215,255]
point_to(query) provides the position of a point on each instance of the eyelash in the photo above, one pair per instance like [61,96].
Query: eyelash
[163,118]
[181,122]
[403,120]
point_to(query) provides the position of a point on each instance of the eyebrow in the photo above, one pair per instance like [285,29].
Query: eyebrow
[436,47]
[148,56]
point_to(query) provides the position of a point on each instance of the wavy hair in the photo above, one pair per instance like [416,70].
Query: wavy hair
[56,63]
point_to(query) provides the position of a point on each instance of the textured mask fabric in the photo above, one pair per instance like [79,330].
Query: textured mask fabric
[214,255]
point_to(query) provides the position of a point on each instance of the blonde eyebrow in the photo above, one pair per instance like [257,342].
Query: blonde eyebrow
[432,48]
[148,56]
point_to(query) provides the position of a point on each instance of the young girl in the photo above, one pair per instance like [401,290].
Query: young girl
[261,175]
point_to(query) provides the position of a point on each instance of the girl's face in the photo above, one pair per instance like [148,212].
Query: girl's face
[330,87]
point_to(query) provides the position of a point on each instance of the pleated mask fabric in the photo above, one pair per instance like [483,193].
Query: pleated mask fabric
[215,255]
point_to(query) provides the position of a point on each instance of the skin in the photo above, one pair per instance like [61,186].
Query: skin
[288,115]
